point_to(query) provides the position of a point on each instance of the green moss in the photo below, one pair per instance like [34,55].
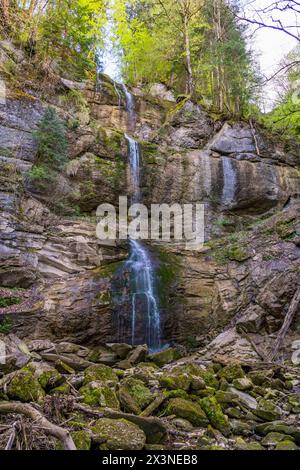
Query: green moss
[188,410]
[118,434]
[175,381]
[8,301]
[82,440]
[141,394]
[208,376]
[63,389]
[108,270]
[95,394]
[215,414]
[49,379]
[231,372]
[176,394]
[286,445]
[167,273]
[100,373]
[6,325]
[25,387]
[165,357]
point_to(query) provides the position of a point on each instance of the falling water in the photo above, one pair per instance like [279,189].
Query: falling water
[229,181]
[140,267]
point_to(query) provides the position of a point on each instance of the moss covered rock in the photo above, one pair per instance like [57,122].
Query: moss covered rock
[267,410]
[100,373]
[97,394]
[24,386]
[187,409]
[215,414]
[175,381]
[165,357]
[82,440]
[63,389]
[231,372]
[118,434]
[286,445]
[134,395]
[272,439]
[242,384]
[47,375]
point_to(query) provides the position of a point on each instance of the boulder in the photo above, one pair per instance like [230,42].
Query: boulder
[14,354]
[166,356]
[138,354]
[100,373]
[120,349]
[187,409]
[215,414]
[134,395]
[24,386]
[118,434]
[47,375]
[96,394]
[267,410]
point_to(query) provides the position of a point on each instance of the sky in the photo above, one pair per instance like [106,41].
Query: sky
[270,45]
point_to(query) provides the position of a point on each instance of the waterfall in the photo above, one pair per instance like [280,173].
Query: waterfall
[138,271]
[139,264]
[229,181]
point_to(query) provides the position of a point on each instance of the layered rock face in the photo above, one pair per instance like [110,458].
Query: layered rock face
[48,245]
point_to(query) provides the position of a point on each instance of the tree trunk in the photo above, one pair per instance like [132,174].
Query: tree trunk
[286,324]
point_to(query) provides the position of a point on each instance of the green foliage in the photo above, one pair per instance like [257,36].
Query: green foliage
[6,325]
[52,141]
[8,301]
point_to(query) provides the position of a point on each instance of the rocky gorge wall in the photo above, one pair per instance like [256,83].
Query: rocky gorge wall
[48,247]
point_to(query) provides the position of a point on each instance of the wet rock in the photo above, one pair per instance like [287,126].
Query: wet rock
[187,409]
[118,434]
[215,414]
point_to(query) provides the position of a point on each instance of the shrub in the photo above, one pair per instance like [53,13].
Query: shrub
[52,141]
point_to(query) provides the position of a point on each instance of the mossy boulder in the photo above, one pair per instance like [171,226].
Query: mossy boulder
[280,427]
[272,439]
[82,440]
[118,434]
[100,373]
[261,377]
[294,403]
[241,444]
[187,409]
[97,394]
[134,395]
[231,372]
[286,445]
[242,384]
[215,414]
[207,375]
[175,381]
[24,386]
[267,410]
[165,357]
[241,428]
[47,375]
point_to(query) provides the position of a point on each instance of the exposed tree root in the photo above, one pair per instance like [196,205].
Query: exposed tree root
[30,412]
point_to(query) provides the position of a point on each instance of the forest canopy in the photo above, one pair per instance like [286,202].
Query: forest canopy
[199,48]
